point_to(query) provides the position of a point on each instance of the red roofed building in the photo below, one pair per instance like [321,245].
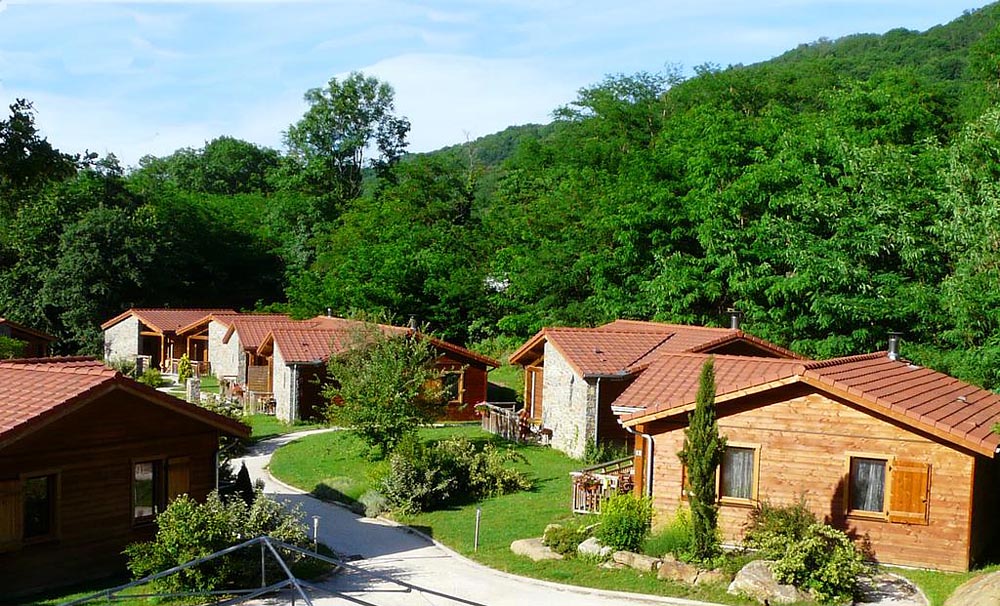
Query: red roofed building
[156,335]
[36,343]
[573,375]
[297,357]
[872,444]
[87,459]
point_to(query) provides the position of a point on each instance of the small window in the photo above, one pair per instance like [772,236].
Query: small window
[867,484]
[451,383]
[147,490]
[39,506]
[737,473]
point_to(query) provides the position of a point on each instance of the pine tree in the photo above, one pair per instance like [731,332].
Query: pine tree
[702,453]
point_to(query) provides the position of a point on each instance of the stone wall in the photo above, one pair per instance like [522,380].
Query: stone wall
[121,341]
[283,389]
[224,357]
[568,405]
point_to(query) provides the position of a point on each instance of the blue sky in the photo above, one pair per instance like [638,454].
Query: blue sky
[149,77]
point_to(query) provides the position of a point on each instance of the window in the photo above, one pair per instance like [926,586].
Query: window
[451,382]
[147,490]
[888,488]
[738,473]
[867,485]
[39,506]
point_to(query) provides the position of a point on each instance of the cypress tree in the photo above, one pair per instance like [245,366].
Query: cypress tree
[702,453]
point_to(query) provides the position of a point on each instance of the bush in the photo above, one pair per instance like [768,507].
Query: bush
[152,377]
[624,522]
[187,530]
[420,478]
[184,370]
[123,365]
[825,561]
[770,528]
[564,538]
[604,452]
[674,538]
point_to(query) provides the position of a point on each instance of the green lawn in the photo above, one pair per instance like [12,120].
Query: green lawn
[268,426]
[334,465]
[937,586]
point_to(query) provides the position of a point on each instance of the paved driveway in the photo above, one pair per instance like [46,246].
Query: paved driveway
[432,573]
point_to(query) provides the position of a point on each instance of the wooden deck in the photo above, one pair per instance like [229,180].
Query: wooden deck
[591,486]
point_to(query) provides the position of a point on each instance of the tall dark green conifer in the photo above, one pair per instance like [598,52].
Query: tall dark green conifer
[702,453]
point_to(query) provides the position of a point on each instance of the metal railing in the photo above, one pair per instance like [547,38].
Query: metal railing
[592,485]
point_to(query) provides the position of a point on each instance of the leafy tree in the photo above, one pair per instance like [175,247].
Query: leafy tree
[11,348]
[384,386]
[184,369]
[344,121]
[225,166]
[701,456]
[27,161]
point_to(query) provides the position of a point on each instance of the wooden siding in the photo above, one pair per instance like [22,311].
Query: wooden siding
[805,438]
[985,536]
[92,450]
[474,381]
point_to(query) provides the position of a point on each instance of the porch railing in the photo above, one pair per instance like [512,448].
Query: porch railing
[500,418]
[591,486]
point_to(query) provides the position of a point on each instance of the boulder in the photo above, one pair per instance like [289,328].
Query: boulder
[677,571]
[638,561]
[593,548]
[534,549]
[756,581]
[612,565]
[983,590]
[712,577]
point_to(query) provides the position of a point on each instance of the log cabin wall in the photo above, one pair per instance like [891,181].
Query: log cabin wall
[985,535]
[91,453]
[472,385]
[804,439]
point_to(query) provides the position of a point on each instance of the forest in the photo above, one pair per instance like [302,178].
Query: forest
[839,191]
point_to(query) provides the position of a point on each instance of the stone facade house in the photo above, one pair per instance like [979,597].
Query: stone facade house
[573,376]
[88,458]
[882,448]
[154,334]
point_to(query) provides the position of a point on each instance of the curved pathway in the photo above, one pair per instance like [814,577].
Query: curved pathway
[435,574]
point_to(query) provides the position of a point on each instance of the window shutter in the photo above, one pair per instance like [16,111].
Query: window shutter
[10,514]
[178,477]
[909,492]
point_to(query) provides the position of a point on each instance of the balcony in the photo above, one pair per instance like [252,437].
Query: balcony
[593,485]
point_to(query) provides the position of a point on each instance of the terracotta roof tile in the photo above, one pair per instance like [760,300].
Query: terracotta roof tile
[252,329]
[32,390]
[165,319]
[309,345]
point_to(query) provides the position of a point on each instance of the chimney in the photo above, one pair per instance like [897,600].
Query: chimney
[894,345]
[329,312]
[734,318]
[413,322]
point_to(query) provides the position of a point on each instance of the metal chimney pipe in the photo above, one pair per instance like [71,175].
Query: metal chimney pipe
[894,345]
[329,312]
[734,319]
[413,322]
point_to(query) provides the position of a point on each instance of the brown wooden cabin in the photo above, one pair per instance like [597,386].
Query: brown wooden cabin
[37,344]
[573,376]
[297,358]
[155,334]
[87,459]
[886,450]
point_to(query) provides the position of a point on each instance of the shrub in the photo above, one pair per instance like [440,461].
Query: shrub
[421,477]
[184,370]
[124,365]
[825,561]
[152,377]
[604,452]
[674,538]
[624,522]
[564,538]
[187,530]
[771,528]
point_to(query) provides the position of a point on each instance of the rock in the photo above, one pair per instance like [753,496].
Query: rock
[612,565]
[756,581]
[712,577]
[983,590]
[677,571]
[885,589]
[593,548]
[534,549]
[638,561]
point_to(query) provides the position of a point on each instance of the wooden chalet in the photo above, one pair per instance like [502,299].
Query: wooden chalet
[37,344]
[572,376]
[87,460]
[297,355]
[884,449]
[155,335]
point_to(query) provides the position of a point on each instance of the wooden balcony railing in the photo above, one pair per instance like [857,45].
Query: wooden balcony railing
[591,486]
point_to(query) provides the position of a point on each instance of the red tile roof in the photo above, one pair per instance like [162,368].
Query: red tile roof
[36,391]
[31,331]
[919,397]
[252,329]
[165,319]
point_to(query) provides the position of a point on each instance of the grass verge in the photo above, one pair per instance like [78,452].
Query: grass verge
[268,426]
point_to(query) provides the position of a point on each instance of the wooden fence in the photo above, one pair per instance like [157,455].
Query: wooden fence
[591,486]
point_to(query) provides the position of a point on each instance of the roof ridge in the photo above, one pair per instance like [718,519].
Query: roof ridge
[814,364]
